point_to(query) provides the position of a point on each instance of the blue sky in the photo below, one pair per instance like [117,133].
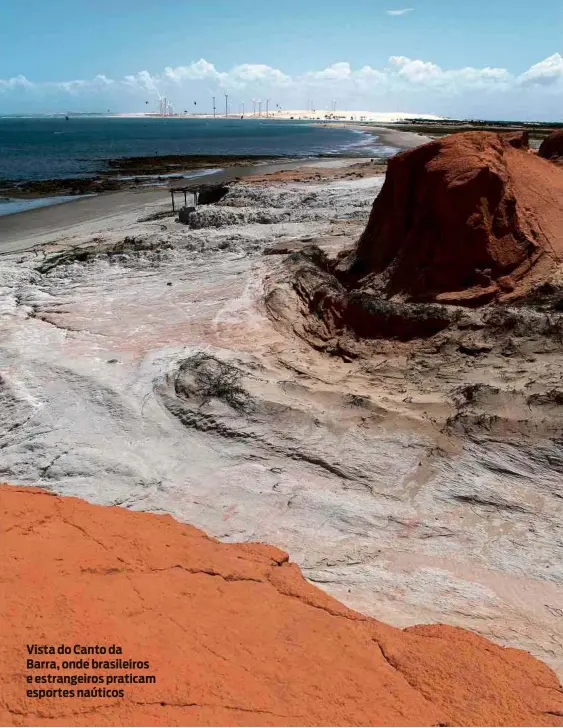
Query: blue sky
[449,57]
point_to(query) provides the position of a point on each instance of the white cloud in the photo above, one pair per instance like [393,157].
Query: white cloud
[141,80]
[414,71]
[238,78]
[429,75]
[403,11]
[98,83]
[337,72]
[408,84]
[545,73]
[9,84]
[254,74]
[200,70]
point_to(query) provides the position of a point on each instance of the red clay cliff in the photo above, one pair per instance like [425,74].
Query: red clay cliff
[233,634]
[466,219]
[552,147]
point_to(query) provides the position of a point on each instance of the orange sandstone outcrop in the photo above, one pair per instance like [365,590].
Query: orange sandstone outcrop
[552,147]
[465,219]
[233,635]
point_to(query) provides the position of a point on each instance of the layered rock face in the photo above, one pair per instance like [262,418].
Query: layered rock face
[552,147]
[466,219]
[232,634]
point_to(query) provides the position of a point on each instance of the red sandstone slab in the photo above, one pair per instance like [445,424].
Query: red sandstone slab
[233,634]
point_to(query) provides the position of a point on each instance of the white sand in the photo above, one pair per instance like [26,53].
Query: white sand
[381,117]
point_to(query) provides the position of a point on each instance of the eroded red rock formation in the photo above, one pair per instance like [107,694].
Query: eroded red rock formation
[232,633]
[466,219]
[552,147]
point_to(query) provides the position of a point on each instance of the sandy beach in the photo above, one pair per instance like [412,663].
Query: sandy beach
[83,216]
[40,226]
[387,135]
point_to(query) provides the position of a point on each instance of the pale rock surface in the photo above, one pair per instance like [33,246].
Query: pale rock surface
[344,465]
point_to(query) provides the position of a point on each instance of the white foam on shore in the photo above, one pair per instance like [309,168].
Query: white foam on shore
[368,145]
[11,206]
[174,175]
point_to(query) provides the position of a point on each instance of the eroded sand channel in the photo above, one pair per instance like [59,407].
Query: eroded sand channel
[345,465]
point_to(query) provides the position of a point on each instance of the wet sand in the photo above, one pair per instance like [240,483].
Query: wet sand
[392,137]
[395,138]
[389,137]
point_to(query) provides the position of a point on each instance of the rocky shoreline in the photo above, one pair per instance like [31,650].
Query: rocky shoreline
[126,173]
[537,131]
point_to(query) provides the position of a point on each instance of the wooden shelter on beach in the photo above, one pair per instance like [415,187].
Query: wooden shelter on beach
[202,194]
[183,190]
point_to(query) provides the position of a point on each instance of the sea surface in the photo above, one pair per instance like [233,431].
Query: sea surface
[34,148]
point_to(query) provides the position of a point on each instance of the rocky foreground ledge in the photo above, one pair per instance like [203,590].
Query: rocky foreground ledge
[232,634]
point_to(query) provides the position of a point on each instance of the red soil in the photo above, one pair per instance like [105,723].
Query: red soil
[233,634]
[468,218]
[552,147]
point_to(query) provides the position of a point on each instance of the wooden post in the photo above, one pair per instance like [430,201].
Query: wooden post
[185,202]
[172,196]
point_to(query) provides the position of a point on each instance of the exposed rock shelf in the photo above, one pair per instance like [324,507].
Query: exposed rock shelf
[233,634]
[419,484]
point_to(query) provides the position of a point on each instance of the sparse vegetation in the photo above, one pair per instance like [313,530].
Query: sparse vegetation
[212,379]
[358,400]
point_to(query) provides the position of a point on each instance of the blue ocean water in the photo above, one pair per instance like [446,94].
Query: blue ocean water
[10,206]
[34,148]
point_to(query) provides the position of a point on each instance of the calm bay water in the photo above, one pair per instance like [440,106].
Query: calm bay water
[34,148]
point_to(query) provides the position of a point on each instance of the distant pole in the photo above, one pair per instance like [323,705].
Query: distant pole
[214,107]
[254,107]
[243,108]
[259,107]
[226,105]
[267,104]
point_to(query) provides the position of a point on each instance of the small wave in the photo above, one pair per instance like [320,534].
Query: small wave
[173,175]
[367,146]
[11,206]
